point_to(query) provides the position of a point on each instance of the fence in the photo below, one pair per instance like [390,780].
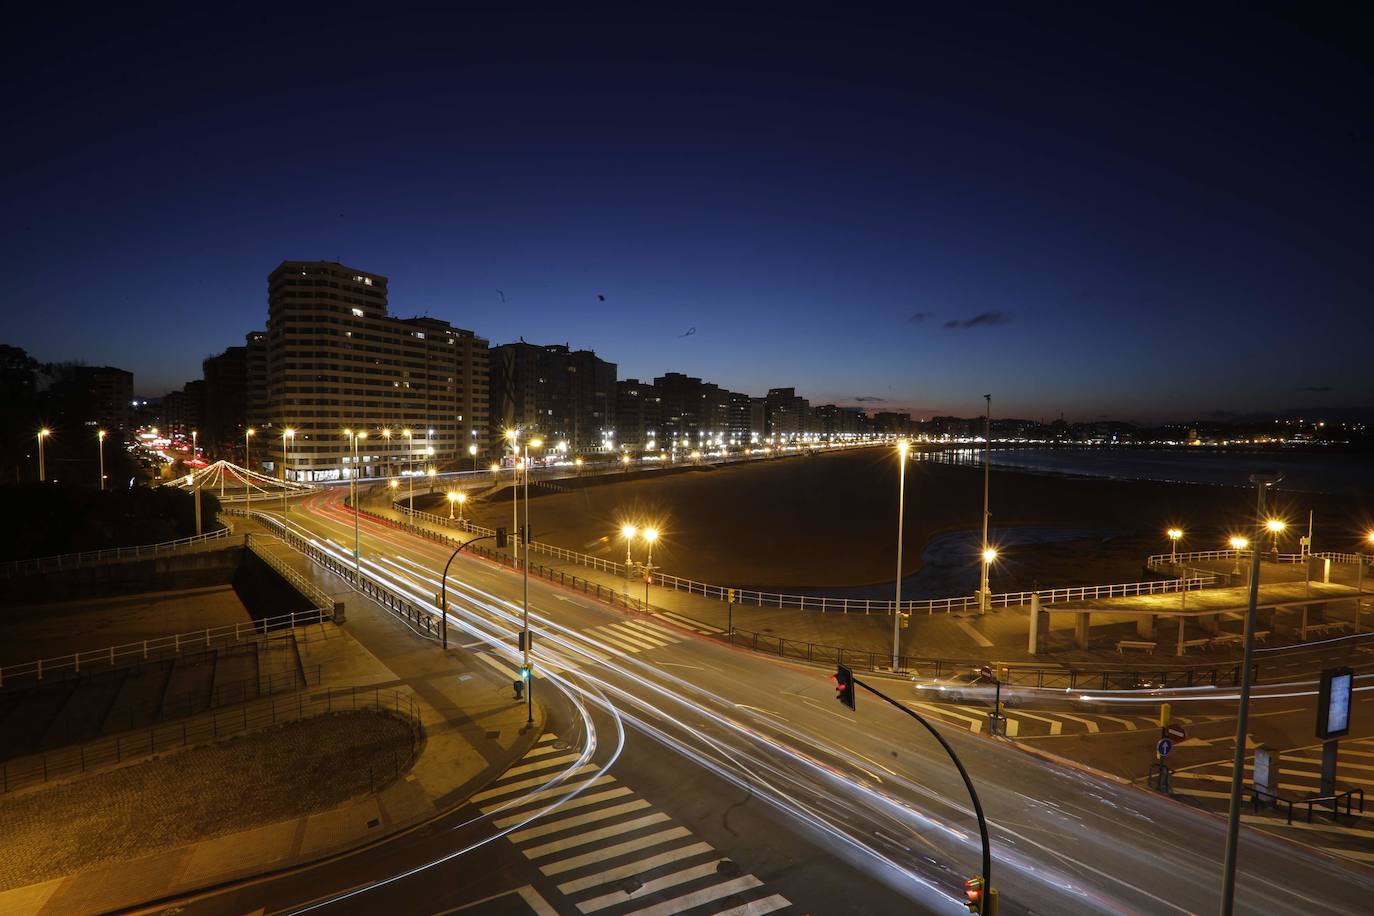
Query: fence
[1055,677]
[161,647]
[109,555]
[1165,559]
[308,589]
[220,723]
[825,604]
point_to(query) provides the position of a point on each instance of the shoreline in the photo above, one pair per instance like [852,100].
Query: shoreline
[784,522]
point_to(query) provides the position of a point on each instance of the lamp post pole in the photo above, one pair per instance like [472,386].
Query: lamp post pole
[1228,875]
[410,499]
[248,469]
[285,435]
[529,692]
[100,435]
[983,590]
[901,518]
[42,468]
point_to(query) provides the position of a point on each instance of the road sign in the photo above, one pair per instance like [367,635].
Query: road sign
[1175,732]
[1164,747]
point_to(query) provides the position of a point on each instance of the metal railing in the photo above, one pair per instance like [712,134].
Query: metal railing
[220,723]
[307,589]
[160,647]
[1048,676]
[1158,560]
[827,604]
[108,555]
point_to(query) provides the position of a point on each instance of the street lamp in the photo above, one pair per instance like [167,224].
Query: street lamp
[513,437]
[42,468]
[989,557]
[902,448]
[984,597]
[286,435]
[248,469]
[1174,535]
[472,450]
[452,499]
[431,472]
[1275,527]
[410,475]
[100,435]
[533,443]
[462,498]
[353,488]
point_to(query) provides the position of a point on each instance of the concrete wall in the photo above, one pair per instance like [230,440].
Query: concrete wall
[176,571]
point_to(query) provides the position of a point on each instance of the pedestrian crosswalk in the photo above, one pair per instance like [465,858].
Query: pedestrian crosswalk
[1208,786]
[605,850]
[574,650]
[687,623]
[1024,723]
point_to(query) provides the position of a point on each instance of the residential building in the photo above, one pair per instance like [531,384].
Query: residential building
[556,393]
[637,414]
[788,415]
[256,380]
[336,361]
[226,403]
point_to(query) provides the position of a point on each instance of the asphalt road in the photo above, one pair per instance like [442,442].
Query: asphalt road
[829,811]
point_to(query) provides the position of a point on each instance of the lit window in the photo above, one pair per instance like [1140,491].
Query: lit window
[419,334]
[357,313]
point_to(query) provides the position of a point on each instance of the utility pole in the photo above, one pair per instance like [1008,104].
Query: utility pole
[1228,875]
[983,590]
[901,517]
[529,688]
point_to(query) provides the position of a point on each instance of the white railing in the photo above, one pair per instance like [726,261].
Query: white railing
[1164,559]
[108,555]
[159,647]
[303,585]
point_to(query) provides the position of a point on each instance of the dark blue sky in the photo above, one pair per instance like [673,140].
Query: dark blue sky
[1158,214]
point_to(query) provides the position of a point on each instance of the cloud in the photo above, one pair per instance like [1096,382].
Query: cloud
[869,399]
[1318,388]
[918,317]
[981,318]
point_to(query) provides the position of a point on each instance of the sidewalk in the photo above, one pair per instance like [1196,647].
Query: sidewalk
[474,731]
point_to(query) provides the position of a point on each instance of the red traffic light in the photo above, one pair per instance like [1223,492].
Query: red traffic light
[844,685]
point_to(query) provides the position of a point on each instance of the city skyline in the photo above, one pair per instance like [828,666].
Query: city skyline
[1013,214]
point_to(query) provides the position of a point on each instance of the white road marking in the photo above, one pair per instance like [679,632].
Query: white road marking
[973,634]
[539,765]
[566,788]
[612,852]
[537,903]
[591,836]
[697,898]
[650,887]
[757,907]
[581,801]
[516,786]
[566,823]
[639,867]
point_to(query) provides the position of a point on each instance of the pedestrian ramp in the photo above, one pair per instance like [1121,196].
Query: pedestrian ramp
[1208,786]
[607,850]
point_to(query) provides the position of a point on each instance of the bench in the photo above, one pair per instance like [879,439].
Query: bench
[1324,627]
[1196,643]
[1143,645]
[1229,639]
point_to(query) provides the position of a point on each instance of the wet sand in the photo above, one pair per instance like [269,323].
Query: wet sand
[830,520]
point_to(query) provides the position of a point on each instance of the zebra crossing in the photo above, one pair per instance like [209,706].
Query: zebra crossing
[608,851]
[1209,786]
[687,623]
[592,645]
[1041,723]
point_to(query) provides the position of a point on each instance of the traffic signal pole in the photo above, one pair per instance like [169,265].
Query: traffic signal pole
[443,586]
[846,674]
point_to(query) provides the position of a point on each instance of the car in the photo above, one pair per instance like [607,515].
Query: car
[971,687]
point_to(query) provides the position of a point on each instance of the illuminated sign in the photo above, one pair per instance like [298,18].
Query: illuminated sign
[1333,703]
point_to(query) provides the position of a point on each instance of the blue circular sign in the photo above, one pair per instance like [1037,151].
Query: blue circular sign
[1164,747]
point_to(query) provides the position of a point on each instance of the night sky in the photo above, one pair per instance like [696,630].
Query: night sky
[1093,210]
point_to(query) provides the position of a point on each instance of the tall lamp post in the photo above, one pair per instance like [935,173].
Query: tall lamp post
[984,595]
[513,437]
[1275,527]
[410,475]
[191,482]
[286,435]
[628,532]
[42,468]
[248,469]
[1228,879]
[650,535]
[462,499]
[452,499]
[472,450]
[902,448]
[353,488]
[1175,534]
[100,436]
[535,443]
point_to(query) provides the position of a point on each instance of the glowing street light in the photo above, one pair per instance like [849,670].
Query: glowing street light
[472,450]
[432,472]
[286,435]
[1175,535]
[248,468]
[462,498]
[100,436]
[410,470]
[628,532]
[902,448]
[42,468]
[452,499]
[1275,527]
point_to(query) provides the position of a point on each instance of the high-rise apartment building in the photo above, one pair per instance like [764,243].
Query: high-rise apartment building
[255,383]
[336,361]
[556,393]
[788,414]
[637,414]
[226,403]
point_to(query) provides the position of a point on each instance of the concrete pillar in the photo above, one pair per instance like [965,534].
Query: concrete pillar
[1145,626]
[1082,623]
[1182,630]
[339,616]
[1039,627]
[1210,623]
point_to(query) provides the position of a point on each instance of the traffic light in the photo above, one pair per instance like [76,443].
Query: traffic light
[500,537]
[525,673]
[979,899]
[520,640]
[844,685]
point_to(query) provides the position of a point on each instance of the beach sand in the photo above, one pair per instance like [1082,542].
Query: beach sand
[830,520]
